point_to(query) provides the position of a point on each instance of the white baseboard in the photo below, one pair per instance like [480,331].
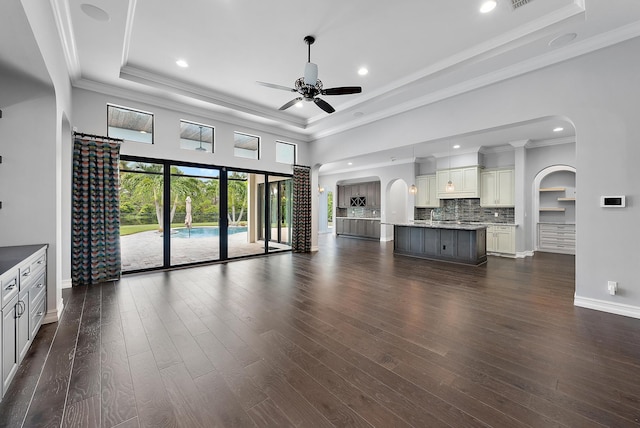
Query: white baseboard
[383,239]
[314,248]
[604,306]
[523,254]
[66,283]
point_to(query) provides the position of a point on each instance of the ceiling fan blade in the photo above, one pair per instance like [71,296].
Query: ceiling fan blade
[324,105]
[274,86]
[344,90]
[310,73]
[290,103]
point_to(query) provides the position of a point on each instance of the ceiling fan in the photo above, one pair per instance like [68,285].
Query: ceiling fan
[309,86]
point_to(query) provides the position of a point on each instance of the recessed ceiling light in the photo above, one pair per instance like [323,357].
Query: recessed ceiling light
[182,63]
[363,71]
[457,146]
[94,12]
[350,163]
[558,129]
[358,114]
[488,6]
[299,104]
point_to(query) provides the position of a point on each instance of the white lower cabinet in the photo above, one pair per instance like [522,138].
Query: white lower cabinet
[557,238]
[24,290]
[501,239]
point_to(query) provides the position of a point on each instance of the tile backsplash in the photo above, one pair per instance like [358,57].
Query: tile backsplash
[466,210]
[358,212]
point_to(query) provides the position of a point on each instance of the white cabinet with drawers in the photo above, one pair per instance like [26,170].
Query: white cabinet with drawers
[557,238]
[23,283]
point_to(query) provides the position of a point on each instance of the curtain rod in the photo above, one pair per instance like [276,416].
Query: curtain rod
[80,134]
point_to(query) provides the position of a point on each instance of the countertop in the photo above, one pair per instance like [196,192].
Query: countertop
[11,257]
[444,225]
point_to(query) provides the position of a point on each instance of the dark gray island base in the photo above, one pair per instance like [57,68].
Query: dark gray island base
[450,242]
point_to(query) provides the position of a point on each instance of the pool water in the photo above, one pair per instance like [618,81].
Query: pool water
[205,232]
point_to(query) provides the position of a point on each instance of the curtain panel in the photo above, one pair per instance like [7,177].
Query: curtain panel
[301,239]
[95,212]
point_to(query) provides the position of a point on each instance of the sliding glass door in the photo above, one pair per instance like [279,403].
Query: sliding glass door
[209,213]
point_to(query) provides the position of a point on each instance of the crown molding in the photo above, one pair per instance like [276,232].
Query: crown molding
[137,96]
[128,30]
[369,166]
[62,18]
[534,144]
[157,81]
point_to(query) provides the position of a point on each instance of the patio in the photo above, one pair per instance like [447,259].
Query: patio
[144,250]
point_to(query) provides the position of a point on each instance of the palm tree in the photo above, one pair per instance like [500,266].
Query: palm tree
[144,181]
[237,190]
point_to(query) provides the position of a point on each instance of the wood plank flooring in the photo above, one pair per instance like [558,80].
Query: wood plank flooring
[351,336]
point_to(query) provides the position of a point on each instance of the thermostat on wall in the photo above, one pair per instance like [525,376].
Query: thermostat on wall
[613,201]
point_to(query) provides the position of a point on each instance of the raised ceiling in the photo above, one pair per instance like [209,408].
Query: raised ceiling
[417,51]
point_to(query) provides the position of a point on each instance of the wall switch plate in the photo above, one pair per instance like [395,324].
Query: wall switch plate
[612,286]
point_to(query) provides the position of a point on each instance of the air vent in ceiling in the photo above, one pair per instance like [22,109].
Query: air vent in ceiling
[519,3]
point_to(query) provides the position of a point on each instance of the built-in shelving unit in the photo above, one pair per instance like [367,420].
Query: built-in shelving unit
[553,189]
[556,210]
[567,199]
[552,209]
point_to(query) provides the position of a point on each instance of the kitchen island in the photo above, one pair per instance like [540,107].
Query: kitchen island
[447,241]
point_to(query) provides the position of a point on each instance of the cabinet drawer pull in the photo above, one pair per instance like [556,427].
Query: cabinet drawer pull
[40,262]
[39,313]
[40,285]
[27,273]
[12,285]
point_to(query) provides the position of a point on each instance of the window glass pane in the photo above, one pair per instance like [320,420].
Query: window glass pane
[141,185]
[246,146]
[195,198]
[130,125]
[243,213]
[285,152]
[194,136]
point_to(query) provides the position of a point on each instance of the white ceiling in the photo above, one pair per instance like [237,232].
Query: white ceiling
[417,52]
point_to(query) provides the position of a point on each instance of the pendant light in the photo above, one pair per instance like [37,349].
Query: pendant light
[413,189]
[201,149]
[449,187]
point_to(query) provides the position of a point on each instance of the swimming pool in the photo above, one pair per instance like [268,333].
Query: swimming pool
[205,232]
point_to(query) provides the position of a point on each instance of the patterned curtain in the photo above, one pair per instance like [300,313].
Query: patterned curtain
[95,212]
[301,240]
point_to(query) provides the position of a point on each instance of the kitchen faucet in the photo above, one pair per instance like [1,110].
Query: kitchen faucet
[431,221]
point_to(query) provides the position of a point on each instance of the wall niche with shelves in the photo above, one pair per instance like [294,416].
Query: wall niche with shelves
[557,197]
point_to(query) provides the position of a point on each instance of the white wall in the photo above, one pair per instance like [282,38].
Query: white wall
[598,93]
[90,117]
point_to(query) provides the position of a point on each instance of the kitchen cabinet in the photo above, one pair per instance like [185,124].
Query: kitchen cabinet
[369,190]
[427,196]
[23,285]
[497,188]
[501,239]
[359,227]
[465,181]
[557,238]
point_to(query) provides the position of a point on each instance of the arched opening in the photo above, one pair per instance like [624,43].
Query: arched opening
[554,212]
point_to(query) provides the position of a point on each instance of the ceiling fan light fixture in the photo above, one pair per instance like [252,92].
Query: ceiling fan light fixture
[488,6]
[310,74]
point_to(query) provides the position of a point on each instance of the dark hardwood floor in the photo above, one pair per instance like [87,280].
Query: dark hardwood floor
[348,336]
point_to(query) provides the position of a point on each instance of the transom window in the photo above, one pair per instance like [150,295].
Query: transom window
[195,136]
[285,152]
[129,124]
[246,146]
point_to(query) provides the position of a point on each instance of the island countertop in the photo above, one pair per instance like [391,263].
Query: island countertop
[443,225]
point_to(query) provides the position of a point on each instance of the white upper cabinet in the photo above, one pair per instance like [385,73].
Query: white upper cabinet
[465,182]
[427,195]
[497,188]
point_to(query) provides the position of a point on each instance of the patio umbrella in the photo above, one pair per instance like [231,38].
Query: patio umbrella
[187,217]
